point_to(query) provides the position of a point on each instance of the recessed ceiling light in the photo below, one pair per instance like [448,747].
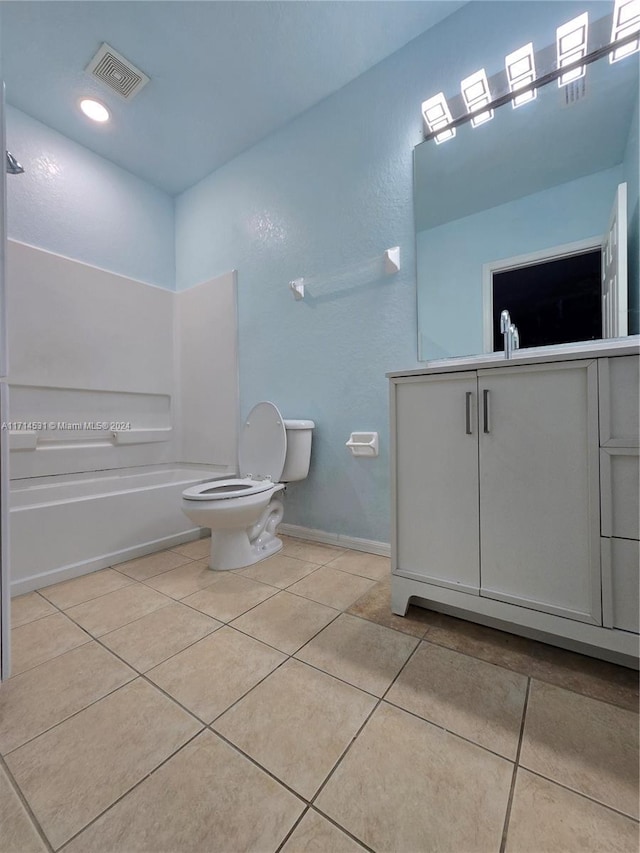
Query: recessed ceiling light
[94,110]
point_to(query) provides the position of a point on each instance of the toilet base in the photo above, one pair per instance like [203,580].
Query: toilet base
[232,549]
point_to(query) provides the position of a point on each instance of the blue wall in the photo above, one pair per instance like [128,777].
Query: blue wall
[76,203]
[451,256]
[323,198]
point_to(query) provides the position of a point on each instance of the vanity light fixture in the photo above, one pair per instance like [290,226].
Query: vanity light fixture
[94,110]
[626,20]
[437,114]
[571,43]
[521,72]
[475,91]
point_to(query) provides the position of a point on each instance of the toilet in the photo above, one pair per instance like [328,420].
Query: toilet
[244,512]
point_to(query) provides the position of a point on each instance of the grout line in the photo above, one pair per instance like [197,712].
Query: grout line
[59,655]
[25,804]
[297,823]
[347,612]
[91,597]
[130,790]
[507,816]
[255,763]
[134,675]
[75,621]
[451,732]
[357,734]
[580,794]
[355,838]
[526,673]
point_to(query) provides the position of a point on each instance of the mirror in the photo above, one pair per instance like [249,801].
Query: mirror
[534,183]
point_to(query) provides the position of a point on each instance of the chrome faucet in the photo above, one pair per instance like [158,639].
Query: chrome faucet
[510,334]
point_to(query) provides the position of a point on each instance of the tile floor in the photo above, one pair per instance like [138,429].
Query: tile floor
[156,706]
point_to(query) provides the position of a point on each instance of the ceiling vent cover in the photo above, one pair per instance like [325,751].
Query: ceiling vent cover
[116,72]
[574,92]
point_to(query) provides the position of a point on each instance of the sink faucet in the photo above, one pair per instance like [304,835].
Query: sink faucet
[510,333]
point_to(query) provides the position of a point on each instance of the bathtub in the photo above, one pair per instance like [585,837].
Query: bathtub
[68,525]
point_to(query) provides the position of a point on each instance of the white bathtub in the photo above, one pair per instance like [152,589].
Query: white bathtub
[65,526]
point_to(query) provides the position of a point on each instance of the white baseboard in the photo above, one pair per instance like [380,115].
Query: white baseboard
[65,573]
[370,546]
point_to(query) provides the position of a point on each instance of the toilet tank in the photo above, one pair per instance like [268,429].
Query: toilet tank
[296,462]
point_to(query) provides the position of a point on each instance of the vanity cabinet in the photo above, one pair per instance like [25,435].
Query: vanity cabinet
[515,496]
[619,399]
[436,495]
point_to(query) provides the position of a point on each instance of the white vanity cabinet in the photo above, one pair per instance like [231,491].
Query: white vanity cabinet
[619,383]
[515,495]
[436,463]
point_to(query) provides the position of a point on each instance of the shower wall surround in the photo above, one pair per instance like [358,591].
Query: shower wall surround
[89,347]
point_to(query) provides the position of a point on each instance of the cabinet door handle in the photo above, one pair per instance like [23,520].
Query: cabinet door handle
[485,414]
[468,398]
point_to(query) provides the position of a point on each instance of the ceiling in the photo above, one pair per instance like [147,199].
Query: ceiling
[223,74]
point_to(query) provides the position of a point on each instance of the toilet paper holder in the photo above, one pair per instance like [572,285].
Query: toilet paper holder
[363,443]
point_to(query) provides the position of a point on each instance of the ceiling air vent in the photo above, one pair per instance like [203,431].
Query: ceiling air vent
[116,72]
[574,92]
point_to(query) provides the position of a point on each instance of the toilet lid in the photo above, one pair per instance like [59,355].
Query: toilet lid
[263,443]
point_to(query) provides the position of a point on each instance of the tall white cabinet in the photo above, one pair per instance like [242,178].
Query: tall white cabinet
[508,508]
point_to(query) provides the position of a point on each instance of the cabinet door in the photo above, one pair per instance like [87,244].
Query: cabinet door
[435,478]
[539,515]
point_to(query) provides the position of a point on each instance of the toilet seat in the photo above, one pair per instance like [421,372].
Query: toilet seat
[218,490]
[261,452]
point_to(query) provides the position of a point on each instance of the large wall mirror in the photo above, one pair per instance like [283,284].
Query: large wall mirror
[513,214]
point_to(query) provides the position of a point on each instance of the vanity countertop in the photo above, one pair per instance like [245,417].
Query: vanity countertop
[532,355]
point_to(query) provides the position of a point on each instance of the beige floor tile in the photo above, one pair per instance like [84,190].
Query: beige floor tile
[198,549]
[598,679]
[297,723]
[230,596]
[467,696]
[285,621]
[375,605]
[333,588]
[17,832]
[212,674]
[37,642]
[69,593]
[360,652]
[589,746]
[185,580]
[315,834]
[29,607]
[206,798]
[546,818]
[153,564]
[406,785]
[159,635]
[280,571]
[34,701]
[111,611]
[312,552]
[71,773]
[370,566]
